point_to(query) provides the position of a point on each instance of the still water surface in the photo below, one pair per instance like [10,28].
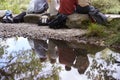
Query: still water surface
[31,59]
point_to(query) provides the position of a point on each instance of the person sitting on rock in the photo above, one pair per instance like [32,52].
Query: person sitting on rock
[66,8]
[51,12]
[84,7]
[35,6]
[77,6]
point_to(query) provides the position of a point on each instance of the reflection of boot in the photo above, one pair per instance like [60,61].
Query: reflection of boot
[67,68]
[81,63]
[43,59]
[52,61]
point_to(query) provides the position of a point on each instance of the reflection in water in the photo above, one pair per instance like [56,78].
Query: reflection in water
[18,61]
[105,66]
[44,50]
[40,48]
[22,58]
[72,57]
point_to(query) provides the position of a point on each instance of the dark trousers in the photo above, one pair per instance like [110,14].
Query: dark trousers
[82,10]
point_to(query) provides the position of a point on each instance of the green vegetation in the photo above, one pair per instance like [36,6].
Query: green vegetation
[107,6]
[110,33]
[96,30]
[1,51]
[115,39]
[16,6]
[114,32]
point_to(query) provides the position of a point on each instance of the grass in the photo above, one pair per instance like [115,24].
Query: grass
[107,6]
[96,30]
[16,6]
[110,33]
[114,32]
[115,39]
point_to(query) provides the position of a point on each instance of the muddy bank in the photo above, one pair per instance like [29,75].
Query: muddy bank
[43,32]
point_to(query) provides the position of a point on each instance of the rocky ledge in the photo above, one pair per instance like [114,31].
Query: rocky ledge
[39,32]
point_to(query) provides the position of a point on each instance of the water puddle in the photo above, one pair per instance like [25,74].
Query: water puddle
[31,59]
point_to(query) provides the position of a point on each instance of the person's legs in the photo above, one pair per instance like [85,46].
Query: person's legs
[82,10]
[19,18]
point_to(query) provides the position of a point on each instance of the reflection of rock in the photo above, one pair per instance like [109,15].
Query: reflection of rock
[77,21]
[106,53]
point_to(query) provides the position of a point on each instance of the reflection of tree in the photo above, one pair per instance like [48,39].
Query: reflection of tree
[103,66]
[27,65]
[53,76]
[102,74]
[1,51]
[24,64]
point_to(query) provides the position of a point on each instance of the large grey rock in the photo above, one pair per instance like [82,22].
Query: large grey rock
[2,12]
[32,18]
[77,20]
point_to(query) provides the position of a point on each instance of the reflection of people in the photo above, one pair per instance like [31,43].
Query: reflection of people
[52,51]
[82,61]
[66,54]
[44,50]
[40,47]
[72,57]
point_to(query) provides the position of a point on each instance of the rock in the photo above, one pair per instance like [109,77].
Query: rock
[32,18]
[2,12]
[73,21]
[77,20]
[81,20]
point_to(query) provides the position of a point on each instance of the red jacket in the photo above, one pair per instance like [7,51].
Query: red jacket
[67,6]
